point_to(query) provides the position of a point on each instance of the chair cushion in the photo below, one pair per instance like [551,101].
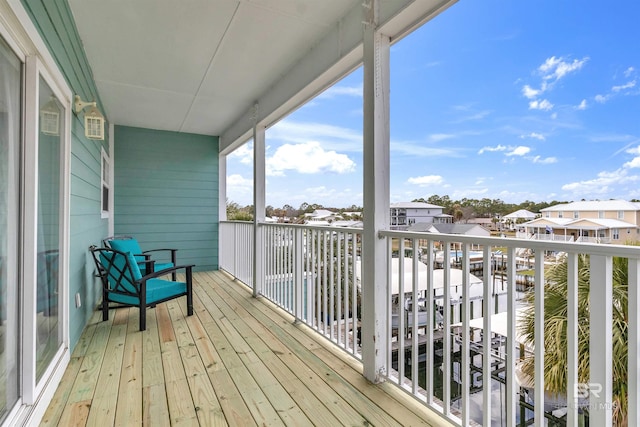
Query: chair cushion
[127,245]
[157,290]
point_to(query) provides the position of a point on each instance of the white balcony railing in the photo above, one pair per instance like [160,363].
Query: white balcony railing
[438,315]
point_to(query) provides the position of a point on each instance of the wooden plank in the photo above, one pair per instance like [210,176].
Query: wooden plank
[204,397]
[155,410]
[129,409]
[75,414]
[56,406]
[85,383]
[152,371]
[105,398]
[181,409]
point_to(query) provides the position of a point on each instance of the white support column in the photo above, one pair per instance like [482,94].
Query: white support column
[376,194]
[259,196]
[222,187]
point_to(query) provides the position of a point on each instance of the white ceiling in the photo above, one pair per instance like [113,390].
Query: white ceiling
[199,66]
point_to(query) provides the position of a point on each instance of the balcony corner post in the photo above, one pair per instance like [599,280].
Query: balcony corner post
[374,341]
[259,196]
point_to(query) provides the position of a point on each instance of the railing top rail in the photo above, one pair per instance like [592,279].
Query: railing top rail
[313,227]
[627,251]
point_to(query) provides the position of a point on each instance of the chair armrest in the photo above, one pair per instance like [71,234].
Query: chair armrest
[148,262]
[173,253]
[158,250]
[166,271]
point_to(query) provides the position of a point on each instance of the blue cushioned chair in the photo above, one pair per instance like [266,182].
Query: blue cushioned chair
[129,244]
[123,283]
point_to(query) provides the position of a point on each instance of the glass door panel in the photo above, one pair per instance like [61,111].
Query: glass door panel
[48,305]
[10,142]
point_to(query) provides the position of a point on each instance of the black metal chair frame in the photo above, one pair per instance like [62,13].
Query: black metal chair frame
[141,285]
[146,254]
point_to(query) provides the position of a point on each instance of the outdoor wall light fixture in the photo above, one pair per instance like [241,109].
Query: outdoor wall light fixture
[50,118]
[93,119]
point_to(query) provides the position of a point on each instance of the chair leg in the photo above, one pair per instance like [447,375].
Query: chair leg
[189,293]
[105,306]
[143,317]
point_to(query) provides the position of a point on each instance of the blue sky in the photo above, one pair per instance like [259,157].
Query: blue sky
[513,100]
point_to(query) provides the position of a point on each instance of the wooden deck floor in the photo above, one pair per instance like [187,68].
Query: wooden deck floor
[237,361]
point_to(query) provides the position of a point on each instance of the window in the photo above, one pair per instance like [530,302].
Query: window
[560,214]
[576,215]
[620,214]
[105,178]
[615,234]
[600,214]
[547,214]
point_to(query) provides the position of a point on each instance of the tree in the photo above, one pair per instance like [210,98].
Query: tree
[555,331]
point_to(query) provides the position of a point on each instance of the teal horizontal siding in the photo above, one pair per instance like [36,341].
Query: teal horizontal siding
[55,23]
[166,192]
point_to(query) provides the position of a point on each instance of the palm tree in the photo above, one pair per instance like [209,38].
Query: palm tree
[555,331]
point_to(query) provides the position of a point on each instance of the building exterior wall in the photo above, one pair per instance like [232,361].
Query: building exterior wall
[166,192]
[54,22]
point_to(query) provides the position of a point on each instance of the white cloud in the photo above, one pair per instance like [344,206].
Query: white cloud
[529,92]
[333,91]
[520,150]
[544,161]
[602,184]
[425,181]
[582,105]
[543,105]
[534,135]
[329,136]
[601,98]
[244,154]
[635,162]
[409,148]
[556,68]
[493,149]
[308,158]
[628,72]
[437,137]
[238,185]
[552,70]
[628,85]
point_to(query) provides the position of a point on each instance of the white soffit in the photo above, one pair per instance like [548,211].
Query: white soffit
[200,65]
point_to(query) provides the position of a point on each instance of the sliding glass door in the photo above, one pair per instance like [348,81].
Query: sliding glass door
[11,83]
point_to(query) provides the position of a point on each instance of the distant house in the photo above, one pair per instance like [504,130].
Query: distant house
[405,214]
[320,217]
[487,223]
[462,229]
[518,217]
[599,221]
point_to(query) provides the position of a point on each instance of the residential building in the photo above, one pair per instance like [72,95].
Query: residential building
[512,220]
[405,214]
[596,221]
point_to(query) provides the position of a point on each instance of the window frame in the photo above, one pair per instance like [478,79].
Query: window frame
[105,183]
